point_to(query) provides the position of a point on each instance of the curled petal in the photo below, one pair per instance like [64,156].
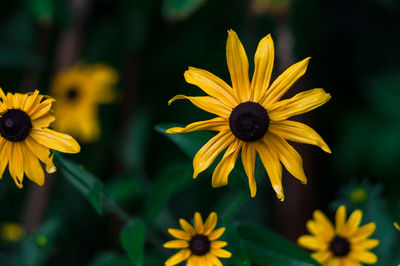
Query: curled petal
[206,103]
[215,124]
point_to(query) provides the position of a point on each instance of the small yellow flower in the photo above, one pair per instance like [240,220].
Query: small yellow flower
[79,90]
[25,138]
[198,244]
[251,116]
[397,226]
[346,244]
[12,232]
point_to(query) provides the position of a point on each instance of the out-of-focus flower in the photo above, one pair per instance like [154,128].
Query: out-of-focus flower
[358,195]
[198,244]
[12,232]
[79,90]
[345,244]
[251,116]
[396,225]
[26,139]
[274,8]
[41,240]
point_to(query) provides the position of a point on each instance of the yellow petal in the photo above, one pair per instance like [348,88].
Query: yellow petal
[187,227]
[216,234]
[271,163]
[207,154]
[311,242]
[248,160]
[16,164]
[396,225]
[55,140]
[3,98]
[322,256]
[283,83]
[5,151]
[206,103]
[179,234]
[178,257]
[42,109]
[319,230]
[367,257]
[238,66]
[215,260]
[298,132]
[363,232]
[32,167]
[44,121]
[302,102]
[324,222]
[210,223]
[340,220]
[176,244]
[215,124]
[226,165]
[263,64]
[29,101]
[218,244]
[42,153]
[198,223]
[221,253]
[353,222]
[212,85]
[365,244]
[289,157]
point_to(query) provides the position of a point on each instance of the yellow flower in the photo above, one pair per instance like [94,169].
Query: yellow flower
[251,116]
[12,232]
[198,244]
[397,226]
[25,137]
[78,91]
[347,244]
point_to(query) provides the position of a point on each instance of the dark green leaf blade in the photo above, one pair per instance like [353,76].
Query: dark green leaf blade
[133,237]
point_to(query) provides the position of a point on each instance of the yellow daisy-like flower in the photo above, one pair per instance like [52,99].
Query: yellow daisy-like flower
[79,90]
[198,244]
[346,244]
[12,232]
[251,116]
[25,138]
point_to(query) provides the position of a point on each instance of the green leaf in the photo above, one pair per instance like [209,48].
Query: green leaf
[180,9]
[88,184]
[124,189]
[235,245]
[133,237]
[267,248]
[170,180]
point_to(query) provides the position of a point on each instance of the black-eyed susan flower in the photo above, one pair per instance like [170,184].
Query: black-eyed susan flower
[251,116]
[12,232]
[25,138]
[198,244]
[79,90]
[345,244]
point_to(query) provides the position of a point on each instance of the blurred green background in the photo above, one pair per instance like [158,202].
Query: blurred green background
[355,57]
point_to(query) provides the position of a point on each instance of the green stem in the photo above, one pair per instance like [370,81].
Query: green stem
[235,205]
[113,208]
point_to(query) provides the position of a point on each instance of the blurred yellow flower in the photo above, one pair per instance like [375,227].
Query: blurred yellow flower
[198,244]
[251,116]
[79,90]
[25,137]
[358,195]
[12,232]
[345,244]
[397,226]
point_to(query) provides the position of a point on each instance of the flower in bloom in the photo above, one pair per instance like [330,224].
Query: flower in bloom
[251,117]
[396,225]
[198,244]
[25,138]
[79,90]
[12,232]
[345,244]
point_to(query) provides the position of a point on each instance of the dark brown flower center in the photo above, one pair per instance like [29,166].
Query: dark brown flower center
[249,121]
[72,94]
[15,125]
[199,245]
[340,246]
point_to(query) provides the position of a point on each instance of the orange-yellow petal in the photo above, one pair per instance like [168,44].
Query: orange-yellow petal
[179,234]
[248,160]
[216,234]
[176,244]
[206,103]
[55,140]
[187,227]
[182,255]
[226,165]
[198,223]
[210,223]
[215,124]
